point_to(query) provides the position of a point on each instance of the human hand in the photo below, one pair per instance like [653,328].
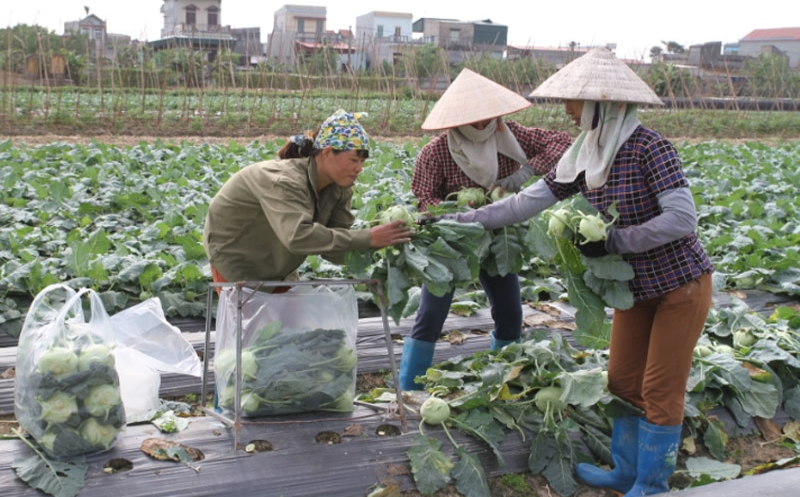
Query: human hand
[592,249]
[391,233]
[513,182]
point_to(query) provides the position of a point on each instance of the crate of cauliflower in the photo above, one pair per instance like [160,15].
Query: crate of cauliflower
[298,350]
[67,392]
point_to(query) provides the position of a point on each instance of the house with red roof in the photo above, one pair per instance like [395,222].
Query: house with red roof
[784,41]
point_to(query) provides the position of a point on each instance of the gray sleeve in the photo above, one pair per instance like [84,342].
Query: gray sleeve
[513,209]
[678,218]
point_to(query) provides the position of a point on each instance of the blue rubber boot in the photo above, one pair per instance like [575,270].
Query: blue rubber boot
[624,452]
[217,408]
[416,359]
[658,453]
[497,344]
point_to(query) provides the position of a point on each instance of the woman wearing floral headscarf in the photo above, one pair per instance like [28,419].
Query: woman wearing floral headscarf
[615,161]
[270,215]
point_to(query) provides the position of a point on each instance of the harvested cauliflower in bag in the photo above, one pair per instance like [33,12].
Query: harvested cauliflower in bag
[298,350]
[67,393]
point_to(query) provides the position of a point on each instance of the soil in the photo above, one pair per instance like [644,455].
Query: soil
[748,452]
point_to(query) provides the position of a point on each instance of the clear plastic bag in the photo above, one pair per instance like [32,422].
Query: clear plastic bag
[147,344]
[144,328]
[298,350]
[67,391]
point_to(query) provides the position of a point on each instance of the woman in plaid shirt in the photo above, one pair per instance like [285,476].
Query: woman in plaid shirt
[477,150]
[616,161]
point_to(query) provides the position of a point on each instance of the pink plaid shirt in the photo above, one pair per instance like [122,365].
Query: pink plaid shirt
[436,174]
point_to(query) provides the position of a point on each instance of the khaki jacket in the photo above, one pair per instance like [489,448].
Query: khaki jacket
[268,217]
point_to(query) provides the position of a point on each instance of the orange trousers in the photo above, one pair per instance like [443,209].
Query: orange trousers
[652,343]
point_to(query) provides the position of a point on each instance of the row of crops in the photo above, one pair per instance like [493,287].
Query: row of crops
[258,111]
[127,221]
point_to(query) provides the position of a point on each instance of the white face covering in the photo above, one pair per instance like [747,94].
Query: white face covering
[595,149]
[475,150]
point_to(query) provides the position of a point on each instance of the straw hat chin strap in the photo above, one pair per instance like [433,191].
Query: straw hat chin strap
[475,150]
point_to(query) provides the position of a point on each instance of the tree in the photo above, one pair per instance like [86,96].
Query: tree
[674,47]
[322,62]
[667,80]
[225,67]
[770,76]
[23,41]
[655,53]
[424,61]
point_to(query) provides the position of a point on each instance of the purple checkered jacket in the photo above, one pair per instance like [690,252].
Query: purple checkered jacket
[646,165]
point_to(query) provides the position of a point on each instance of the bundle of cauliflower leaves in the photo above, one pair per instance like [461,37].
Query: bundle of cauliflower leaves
[78,405]
[442,255]
[290,371]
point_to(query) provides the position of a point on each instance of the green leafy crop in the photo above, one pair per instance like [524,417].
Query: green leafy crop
[290,371]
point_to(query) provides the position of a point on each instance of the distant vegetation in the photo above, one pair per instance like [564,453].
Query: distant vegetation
[60,84]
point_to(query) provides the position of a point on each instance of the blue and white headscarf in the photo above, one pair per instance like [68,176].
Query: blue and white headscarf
[342,131]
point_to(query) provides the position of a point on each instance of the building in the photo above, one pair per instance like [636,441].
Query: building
[383,36]
[305,22]
[105,43]
[558,57]
[783,41]
[464,39]
[194,24]
[248,45]
[395,27]
[92,26]
[300,30]
[45,69]
[294,24]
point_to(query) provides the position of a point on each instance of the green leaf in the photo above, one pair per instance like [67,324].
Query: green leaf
[559,471]
[582,388]
[479,422]
[590,314]
[506,252]
[609,267]
[431,468]
[543,449]
[791,404]
[714,439]
[761,400]
[57,478]
[469,475]
[144,272]
[699,466]
[541,243]
[616,294]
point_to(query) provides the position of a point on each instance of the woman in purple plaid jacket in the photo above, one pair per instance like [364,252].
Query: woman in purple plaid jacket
[615,161]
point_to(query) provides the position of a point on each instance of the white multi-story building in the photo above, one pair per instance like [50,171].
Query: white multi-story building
[195,24]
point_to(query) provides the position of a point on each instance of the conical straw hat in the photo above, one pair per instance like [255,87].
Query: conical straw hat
[597,76]
[471,98]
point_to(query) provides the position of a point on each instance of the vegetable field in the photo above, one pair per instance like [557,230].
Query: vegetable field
[127,221]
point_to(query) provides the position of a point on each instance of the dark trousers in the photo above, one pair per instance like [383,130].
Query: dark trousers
[650,357]
[504,299]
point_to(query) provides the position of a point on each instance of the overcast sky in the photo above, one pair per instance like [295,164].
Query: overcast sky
[635,26]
